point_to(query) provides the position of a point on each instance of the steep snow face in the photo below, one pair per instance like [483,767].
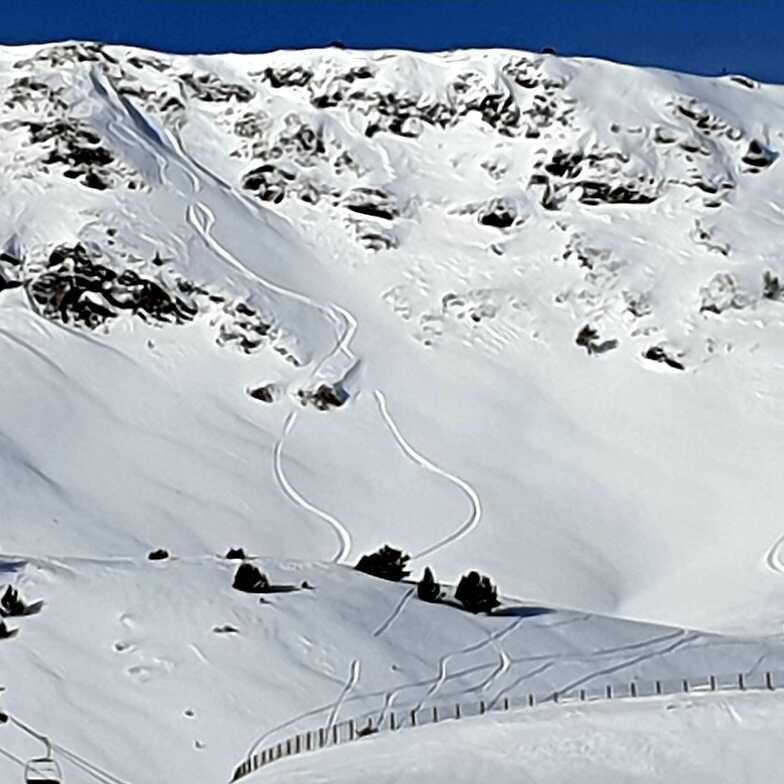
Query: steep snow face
[541,300]
[504,311]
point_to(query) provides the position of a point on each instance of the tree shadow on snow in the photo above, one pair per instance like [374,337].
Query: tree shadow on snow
[522,611]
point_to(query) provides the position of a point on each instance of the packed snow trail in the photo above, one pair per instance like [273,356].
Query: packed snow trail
[352,681]
[772,559]
[476,507]
[202,219]
[342,533]
[396,612]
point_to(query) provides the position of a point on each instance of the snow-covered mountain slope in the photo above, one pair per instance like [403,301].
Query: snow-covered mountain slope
[704,740]
[164,661]
[505,311]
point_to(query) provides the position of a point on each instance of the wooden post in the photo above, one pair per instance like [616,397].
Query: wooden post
[608,691]
[506,703]
[741,682]
[555,696]
[481,706]
[392,722]
[685,685]
[435,714]
[457,710]
[633,689]
[308,741]
[264,757]
[769,681]
[712,681]
[321,737]
[280,751]
[658,687]
[288,747]
[351,729]
[413,717]
[531,700]
[582,695]
[335,734]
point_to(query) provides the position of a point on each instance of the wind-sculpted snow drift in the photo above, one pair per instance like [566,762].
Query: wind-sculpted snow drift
[505,311]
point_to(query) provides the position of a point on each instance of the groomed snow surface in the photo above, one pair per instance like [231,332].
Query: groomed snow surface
[195,248]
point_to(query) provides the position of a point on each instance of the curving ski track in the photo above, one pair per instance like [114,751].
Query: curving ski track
[352,681]
[344,537]
[476,507]
[396,612]
[202,219]
[772,559]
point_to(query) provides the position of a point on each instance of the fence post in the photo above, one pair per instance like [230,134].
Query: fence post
[582,695]
[392,722]
[413,717]
[288,747]
[741,682]
[658,687]
[481,706]
[457,710]
[335,734]
[506,703]
[321,737]
[712,681]
[555,696]
[351,729]
[633,689]
[608,691]
[769,681]
[264,757]
[685,685]
[435,714]
[531,700]
[308,741]
[280,751]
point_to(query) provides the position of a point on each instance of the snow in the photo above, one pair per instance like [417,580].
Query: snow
[476,433]
[695,739]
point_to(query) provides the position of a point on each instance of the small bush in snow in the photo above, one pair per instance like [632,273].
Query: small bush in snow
[428,590]
[476,593]
[771,286]
[386,563]
[250,579]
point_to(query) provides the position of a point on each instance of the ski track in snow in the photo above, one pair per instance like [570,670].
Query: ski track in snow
[476,506]
[396,612]
[344,537]
[352,681]
[202,219]
[772,559]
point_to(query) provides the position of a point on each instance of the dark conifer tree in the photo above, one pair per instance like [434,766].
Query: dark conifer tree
[428,590]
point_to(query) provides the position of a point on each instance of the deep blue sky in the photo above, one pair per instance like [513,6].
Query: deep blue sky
[701,36]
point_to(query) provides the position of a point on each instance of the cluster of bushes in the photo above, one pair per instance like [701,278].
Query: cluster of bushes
[475,592]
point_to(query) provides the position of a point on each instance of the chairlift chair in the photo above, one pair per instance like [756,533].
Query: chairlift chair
[43,770]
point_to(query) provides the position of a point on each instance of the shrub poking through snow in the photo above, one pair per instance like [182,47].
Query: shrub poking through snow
[236,553]
[5,632]
[428,590]
[476,593]
[386,563]
[158,555]
[586,337]
[250,579]
[11,603]
[771,286]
